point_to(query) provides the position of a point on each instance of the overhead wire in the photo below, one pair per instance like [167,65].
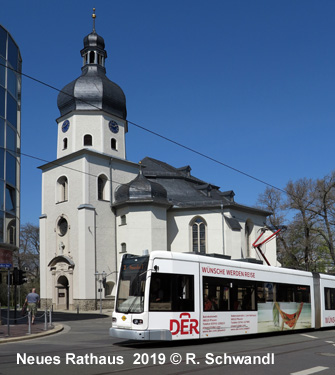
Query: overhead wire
[153,133]
[146,130]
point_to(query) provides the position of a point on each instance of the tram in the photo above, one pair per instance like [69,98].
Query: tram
[179,296]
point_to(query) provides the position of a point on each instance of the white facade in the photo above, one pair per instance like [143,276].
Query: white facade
[96,205]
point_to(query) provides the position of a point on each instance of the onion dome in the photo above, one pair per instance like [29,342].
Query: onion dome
[93,91]
[141,190]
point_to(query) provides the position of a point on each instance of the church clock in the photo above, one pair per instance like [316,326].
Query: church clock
[113,127]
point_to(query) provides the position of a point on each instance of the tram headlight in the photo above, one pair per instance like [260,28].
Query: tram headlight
[137,321]
[113,320]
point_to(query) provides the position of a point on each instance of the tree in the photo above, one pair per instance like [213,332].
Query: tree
[27,257]
[308,242]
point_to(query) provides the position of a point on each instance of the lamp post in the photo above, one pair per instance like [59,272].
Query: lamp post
[99,277]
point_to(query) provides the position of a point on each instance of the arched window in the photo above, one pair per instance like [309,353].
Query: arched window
[92,56]
[102,187]
[11,232]
[198,226]
[64,143]
[113,144]
[62,189]
[88,140]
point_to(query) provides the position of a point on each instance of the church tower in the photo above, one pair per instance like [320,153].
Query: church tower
[78,225]
[92,108]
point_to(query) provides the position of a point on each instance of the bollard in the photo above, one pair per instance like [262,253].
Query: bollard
[50,319]
[29,323]
[45,319]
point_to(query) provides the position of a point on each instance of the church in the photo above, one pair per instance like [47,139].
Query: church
[97,205]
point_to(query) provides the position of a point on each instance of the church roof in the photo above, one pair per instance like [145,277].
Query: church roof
[182,189]
[93,91]
[141,190]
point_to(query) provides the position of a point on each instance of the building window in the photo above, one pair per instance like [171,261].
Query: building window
[11,232]
[113,144]
[10,199]
[198,226]
[62,226]
[123,220]
[64,143]
[92,57]
[123,248]
[88,140]
[102,188]
[62,189]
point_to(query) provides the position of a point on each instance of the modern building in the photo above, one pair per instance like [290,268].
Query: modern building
[10,130]
[97,205]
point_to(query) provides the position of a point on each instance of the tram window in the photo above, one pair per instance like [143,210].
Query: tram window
[171,292]
[228,295]
[264,292]
[329,298]
[292,293]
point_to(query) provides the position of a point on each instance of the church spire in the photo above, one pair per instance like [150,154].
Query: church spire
[94,17]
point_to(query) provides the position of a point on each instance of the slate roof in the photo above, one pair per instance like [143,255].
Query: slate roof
[141,190]
[93,91]
[186,191]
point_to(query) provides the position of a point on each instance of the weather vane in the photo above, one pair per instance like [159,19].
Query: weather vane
[94,17]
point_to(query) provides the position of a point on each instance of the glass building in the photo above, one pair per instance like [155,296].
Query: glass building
[10,130]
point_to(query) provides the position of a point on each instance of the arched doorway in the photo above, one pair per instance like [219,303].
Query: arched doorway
[61,268]
[62,293]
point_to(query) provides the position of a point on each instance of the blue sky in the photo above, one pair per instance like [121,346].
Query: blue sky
[249,83]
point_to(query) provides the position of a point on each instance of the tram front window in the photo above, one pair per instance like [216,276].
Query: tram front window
[130,296]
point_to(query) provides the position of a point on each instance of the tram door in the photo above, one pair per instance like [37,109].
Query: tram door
[174,298]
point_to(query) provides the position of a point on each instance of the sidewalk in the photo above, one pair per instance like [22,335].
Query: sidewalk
[19,331]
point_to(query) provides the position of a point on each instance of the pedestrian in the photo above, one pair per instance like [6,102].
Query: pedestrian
[32,301]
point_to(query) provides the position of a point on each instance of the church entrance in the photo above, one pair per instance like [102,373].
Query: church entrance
[62,295]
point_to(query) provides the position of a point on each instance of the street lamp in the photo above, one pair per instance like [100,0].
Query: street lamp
[100,277]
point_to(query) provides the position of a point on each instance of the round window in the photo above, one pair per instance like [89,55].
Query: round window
[62,226]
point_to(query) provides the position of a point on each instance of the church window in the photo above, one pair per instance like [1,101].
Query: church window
[113,144]
[64,143]
[92,56]
[123,220]
[198,226]
[123,247]
[88,140]
[102,188]
[62,189]
[62,226]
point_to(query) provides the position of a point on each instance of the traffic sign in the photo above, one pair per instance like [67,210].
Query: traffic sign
[6,265]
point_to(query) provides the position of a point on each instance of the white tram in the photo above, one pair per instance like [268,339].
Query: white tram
[178,296]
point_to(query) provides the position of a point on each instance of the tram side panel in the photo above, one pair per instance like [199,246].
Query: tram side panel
[241,300]
[174,300]
[327,298]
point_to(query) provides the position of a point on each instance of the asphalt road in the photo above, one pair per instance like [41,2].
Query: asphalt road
[84,346]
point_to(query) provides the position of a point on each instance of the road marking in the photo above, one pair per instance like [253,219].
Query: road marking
[329,342]
[309,371]
[311,337]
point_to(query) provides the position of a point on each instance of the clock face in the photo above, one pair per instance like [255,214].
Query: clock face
[113,126]
[65,126]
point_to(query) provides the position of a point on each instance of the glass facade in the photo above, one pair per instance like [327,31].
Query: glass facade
[10,130]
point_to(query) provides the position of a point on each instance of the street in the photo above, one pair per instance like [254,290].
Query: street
[84,347]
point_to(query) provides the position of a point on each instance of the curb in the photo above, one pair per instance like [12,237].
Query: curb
[56,329]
